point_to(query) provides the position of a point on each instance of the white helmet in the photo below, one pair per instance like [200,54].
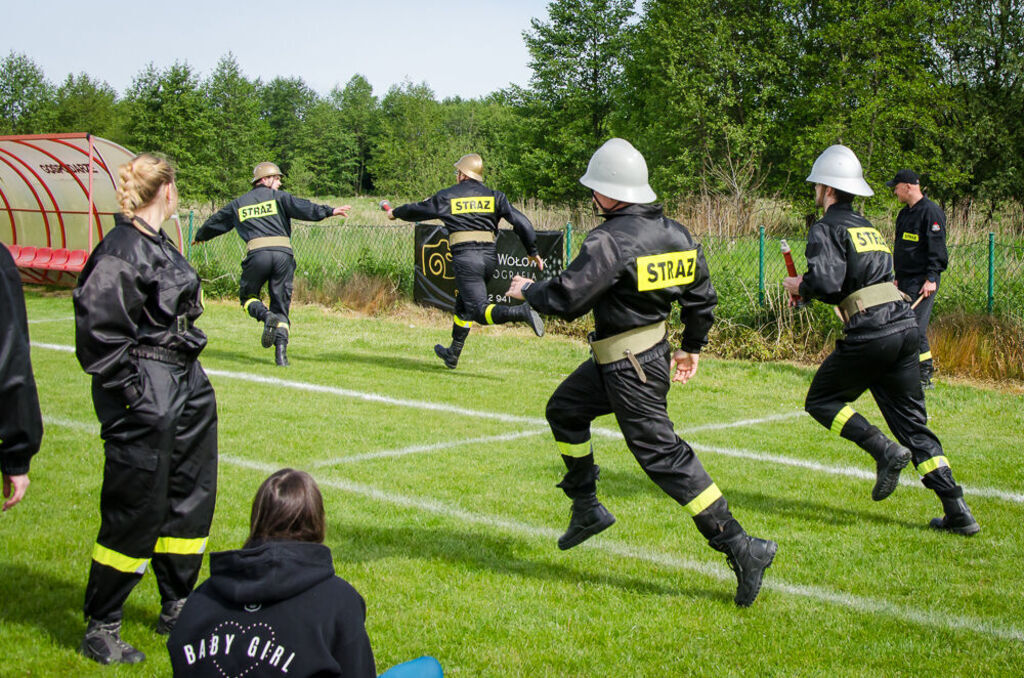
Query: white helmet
[838,167]
[618,171]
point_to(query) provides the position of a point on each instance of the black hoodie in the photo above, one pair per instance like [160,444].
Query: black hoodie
[274,609]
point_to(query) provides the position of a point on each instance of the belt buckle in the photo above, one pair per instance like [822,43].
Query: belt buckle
[181,324]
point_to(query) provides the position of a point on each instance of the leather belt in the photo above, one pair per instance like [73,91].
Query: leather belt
[268,241]
[161,354]
[459,237]
[627,345]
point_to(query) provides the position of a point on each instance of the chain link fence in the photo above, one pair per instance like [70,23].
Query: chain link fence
[985,276]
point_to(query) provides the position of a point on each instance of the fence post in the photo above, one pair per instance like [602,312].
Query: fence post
[188,246]
[760,265]
[568,243]
[991,271]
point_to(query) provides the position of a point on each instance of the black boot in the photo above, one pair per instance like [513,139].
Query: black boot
[587,516]
[270,323]
[927,370]
[169,613]
[450,354]
[524,313]
[890,458]
[281,352]
[102,643]
[748,557]
[958,518]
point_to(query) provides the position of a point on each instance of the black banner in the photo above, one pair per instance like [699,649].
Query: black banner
[435,277]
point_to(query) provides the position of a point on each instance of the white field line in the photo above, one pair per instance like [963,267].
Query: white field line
[93,428]
[862,604]
[1006,495]
[417,449]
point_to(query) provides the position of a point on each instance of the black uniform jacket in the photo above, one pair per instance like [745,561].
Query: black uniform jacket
[21,425]
[136,290]
[471,206]
[261,213]
[273,609]
[920,248]
[629,271]
[846,253]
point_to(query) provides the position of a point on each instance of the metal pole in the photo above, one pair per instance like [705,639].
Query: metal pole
[568,243]
[760,265]
[188,246]
[991,270]
[88,217]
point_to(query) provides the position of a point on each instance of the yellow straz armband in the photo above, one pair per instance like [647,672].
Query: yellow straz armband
[659,271]
[867,239]
[912,237]
[262,209]
[475,204]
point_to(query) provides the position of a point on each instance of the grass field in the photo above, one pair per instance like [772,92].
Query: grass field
[439,488]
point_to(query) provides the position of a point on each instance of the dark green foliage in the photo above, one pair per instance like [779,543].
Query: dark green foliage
[26,97]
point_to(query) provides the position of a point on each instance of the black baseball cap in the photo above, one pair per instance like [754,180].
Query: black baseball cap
[904,177]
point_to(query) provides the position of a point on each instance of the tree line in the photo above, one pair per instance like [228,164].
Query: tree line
[728,97]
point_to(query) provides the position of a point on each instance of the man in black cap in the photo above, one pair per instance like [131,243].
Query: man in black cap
[919,256]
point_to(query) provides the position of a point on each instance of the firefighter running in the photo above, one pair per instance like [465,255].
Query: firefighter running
[629,272]
[136,304]
[849,264]
[471,212]
[263,218]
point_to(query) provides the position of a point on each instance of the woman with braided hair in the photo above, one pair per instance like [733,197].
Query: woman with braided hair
[136,304]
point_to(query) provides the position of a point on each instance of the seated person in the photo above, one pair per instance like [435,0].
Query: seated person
[275,607]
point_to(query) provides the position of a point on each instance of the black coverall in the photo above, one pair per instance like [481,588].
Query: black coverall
[845,254]
[136,303]
[21,424]
[469,206]
[920,254]
[629,271]
[263,213]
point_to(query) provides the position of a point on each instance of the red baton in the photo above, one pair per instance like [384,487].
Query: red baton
[790,266]
[384,205]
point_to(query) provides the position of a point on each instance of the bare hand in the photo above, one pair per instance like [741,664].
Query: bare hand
[537,261]
[928,288]
[515,290]
[792,285]
[19,484]
[341,211]
[391,214]
[685,366]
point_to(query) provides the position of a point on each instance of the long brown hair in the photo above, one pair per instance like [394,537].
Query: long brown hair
[288,505]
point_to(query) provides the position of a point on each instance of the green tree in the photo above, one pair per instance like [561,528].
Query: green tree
[87,105]
[284,105]
[242,136]
[361,116]
[27,103]
[565,114]
[328,150]
[168,113]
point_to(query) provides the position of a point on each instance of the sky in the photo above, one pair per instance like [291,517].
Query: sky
[459,48]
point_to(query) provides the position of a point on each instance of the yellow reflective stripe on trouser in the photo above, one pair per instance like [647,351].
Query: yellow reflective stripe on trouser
[703,500]
[574,449]
[487,314]
[248,303]
[180,546]
[119,561]
[282,326]
[925,356]
[842,417]
[929,465]
[460,322]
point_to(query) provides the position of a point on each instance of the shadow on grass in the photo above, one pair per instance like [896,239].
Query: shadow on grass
[55,605]
[495,553]
[814,512]
[391,361]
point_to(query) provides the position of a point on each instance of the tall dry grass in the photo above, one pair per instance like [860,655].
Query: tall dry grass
[981,347]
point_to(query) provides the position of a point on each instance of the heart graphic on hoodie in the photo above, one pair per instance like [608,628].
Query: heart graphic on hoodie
[255,642]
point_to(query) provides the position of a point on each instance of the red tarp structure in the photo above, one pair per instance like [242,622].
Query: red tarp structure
[58,196]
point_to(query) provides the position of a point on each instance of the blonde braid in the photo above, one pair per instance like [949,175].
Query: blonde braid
[141,179]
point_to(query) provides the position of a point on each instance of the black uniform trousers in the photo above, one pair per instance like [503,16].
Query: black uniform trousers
[911,286]
[641,412]
[159,485]
[474,264]
[273,268]
[888,367]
